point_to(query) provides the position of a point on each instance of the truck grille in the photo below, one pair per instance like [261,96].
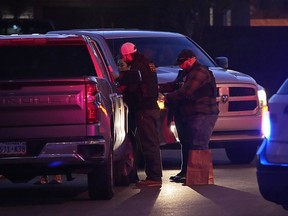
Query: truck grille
[237,100]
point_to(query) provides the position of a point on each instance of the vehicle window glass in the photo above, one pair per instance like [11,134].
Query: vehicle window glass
[284,88]
[163,51]
[101,62]
[24,62]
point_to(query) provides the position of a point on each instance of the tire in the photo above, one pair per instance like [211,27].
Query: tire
[241,154]
[100,181]
[125,169]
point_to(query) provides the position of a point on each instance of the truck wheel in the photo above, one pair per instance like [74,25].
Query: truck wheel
[100,181]
[123,172]
[241,154]
[125,169]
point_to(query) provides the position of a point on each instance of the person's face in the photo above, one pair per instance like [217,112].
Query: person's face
[127,58]
[187,63]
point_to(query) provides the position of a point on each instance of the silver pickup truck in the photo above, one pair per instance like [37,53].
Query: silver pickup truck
[60,112]
[240,98]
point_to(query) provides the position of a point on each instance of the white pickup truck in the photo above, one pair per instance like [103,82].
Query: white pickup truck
[240,98]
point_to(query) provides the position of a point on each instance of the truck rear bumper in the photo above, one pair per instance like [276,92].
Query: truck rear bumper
[55,156]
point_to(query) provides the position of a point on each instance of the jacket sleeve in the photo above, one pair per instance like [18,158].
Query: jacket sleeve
[194,80]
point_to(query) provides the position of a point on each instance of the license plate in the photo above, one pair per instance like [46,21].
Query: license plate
[13,148]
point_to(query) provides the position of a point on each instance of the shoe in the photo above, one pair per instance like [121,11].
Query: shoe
[179,175]
[43,180]
[183,180]
[57,180]
[180,179]
[173,177]
[149,183]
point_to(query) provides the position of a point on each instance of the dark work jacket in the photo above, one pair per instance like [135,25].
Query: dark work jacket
[142,95]
[198,93]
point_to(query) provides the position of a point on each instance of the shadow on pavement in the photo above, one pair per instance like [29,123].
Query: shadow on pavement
[226,198]
[142,202]
[30,194]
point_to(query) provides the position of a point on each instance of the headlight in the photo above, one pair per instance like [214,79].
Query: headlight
[161,100]
[262,97]
[266,125]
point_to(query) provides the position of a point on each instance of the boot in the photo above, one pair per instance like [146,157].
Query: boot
[184,156]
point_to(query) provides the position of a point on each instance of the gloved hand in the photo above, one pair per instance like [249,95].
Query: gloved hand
[167,103]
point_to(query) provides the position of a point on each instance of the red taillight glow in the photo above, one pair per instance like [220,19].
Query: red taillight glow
[92,106]
[23,41]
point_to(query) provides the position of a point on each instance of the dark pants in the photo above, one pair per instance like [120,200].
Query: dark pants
[132,128]
[147,132]
[194,133]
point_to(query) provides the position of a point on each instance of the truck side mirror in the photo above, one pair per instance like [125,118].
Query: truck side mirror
[222,62]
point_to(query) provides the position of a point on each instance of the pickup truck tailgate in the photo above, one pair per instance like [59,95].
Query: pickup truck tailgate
[41,103]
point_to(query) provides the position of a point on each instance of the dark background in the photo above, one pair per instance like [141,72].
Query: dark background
[259,51]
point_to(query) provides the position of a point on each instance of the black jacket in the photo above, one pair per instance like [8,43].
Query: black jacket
[142,95]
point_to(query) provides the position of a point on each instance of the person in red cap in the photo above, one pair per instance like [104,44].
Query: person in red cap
[194,106]
[141,98]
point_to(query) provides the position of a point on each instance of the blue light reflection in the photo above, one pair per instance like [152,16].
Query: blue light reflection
[262,156]
[55,163]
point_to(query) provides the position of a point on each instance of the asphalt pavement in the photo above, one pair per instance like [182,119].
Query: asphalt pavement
[235,193]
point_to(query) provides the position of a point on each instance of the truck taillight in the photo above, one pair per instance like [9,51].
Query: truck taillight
[92,106]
